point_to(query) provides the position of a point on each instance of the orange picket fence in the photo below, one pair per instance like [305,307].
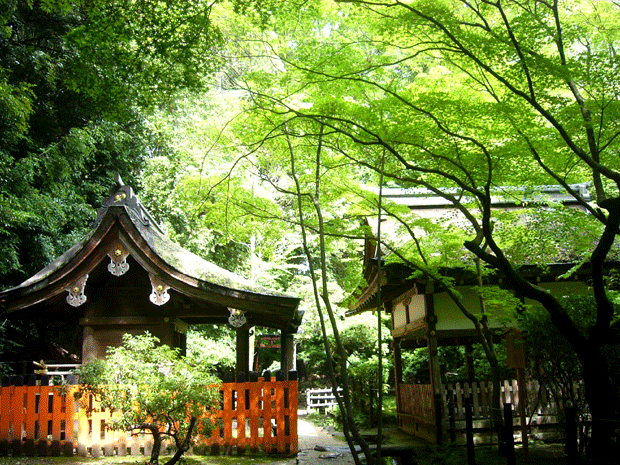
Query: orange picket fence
[48,420]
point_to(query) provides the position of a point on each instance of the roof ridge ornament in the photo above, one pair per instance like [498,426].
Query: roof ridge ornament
[122,195]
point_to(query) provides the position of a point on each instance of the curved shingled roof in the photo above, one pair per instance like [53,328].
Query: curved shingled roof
[124,224]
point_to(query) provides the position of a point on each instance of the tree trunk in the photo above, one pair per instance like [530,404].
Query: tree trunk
[183,446]
[156,440]
[601,395]
[603,402]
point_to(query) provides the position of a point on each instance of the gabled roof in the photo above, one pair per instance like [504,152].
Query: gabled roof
[421,198]
[396,278]
[124,229]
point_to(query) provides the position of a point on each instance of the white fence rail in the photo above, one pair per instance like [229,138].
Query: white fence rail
[321,398]
[55,369]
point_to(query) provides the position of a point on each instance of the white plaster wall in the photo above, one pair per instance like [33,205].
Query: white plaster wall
[400,319]
[562,288]
[450,317]
[416,311]
[416,308]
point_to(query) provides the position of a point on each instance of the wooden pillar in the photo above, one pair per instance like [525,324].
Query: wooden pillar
[243,349]
[431,342]
[398,362]
[287,352]
[251,347]
[469,362]
[398,372]
[433,357]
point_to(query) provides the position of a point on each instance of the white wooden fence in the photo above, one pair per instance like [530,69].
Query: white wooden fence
[541,405]
[321,399]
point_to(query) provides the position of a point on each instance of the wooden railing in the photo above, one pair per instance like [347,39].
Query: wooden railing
[48,420]
[416,409]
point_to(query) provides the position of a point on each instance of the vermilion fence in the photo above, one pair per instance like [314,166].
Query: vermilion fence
[38,419]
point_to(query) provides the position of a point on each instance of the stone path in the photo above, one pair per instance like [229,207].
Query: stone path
[317,446]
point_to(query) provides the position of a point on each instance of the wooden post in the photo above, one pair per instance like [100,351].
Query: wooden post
[451,417]
[515,358]
[243,349]
[435,372]
[522,415]
[469,431]
[438,419]
[398,374]
[469,362]
[251,347]
[509,435]
[287,353]
[571,446]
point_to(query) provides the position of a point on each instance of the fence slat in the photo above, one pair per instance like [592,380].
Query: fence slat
[267,398]
[45,416]
[5,405]
[242,412]
[70,414]
[227,413]
[58,416]
[17,412]
[254,415]
[292,415]
[280,422]
[31,417]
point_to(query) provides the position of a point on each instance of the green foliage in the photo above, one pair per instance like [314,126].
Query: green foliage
[359,338]
[480,103]
[553,362]
[142,52]
[212,346]
[58,153]
[150,385]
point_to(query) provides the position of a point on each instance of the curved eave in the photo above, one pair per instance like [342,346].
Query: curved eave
[180,269]
[148,247]
[56,278]
[395,279]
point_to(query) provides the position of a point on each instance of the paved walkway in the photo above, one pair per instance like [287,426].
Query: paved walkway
[317,446]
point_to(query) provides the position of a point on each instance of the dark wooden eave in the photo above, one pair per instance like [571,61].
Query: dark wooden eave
[396,279]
